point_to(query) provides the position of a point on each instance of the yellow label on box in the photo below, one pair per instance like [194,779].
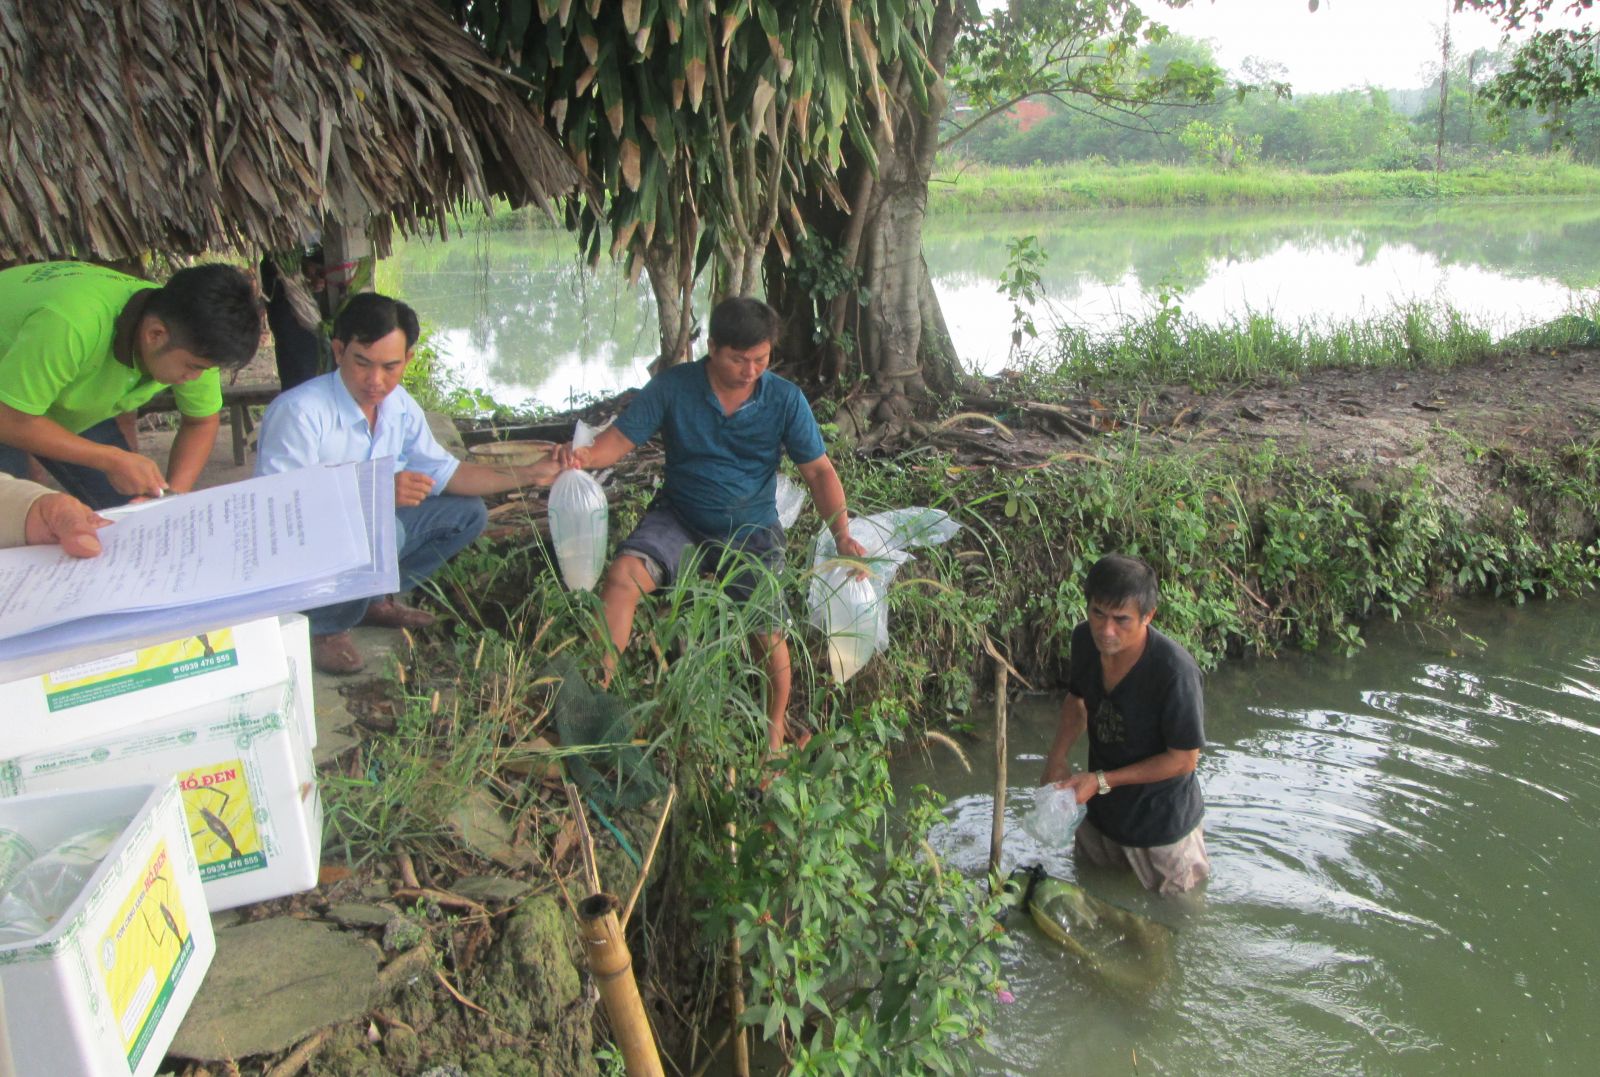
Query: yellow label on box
[133,671]
[222,819]
[144,953]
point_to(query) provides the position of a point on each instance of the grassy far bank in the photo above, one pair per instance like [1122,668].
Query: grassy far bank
[860,953]
[1172,348]
[961,188]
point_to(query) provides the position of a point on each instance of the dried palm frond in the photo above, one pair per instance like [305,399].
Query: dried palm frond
[182,126]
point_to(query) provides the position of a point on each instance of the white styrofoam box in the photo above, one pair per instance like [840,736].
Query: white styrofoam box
[296,632]
[248,784]
[104,990]
[83,698]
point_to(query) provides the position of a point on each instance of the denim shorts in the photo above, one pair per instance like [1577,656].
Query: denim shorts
[671,549]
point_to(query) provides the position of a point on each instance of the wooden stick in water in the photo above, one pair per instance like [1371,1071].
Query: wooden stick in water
[997,831]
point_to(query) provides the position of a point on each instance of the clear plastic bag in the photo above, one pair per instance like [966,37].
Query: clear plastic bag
[854,616]
[791,498]
[844,607]
[16,853]
[578,521]
[1055,816]
[42,890]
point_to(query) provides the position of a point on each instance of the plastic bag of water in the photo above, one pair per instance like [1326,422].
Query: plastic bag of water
[578,520]
[852,613]
[855,613]
[1055,816]
[791,498]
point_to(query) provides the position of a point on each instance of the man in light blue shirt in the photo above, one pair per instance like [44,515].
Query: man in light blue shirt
[359,411]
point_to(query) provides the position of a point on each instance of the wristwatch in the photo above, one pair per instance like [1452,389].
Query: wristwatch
[1100,780]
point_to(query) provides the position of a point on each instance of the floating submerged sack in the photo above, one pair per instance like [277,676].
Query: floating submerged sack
[855,613]
[1121,949]
[578,514]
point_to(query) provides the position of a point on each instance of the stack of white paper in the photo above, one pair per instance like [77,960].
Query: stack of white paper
[215,557]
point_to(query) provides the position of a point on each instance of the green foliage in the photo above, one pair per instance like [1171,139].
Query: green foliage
[1171,347]
[1094,55]
[818,268]
[686,116]
[1219,146]
[1550,68]
[864,956]
[1255,550]
[974,189]
[1519,99]
[1023,284]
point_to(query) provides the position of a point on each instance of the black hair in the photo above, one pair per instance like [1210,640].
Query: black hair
[211,311]
[741,323]
[368,317]
[1118,578]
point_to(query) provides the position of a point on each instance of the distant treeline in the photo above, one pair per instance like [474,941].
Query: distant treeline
[1372,128]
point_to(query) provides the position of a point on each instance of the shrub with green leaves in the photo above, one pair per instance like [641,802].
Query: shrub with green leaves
[864,956]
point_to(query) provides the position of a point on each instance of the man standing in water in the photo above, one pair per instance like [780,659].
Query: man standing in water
[725,421]
[1138,694]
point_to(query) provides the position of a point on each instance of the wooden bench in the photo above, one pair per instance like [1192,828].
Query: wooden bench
[238,399]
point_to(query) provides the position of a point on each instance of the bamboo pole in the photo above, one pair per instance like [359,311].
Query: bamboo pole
[997,830]
[612,967]
[610,963]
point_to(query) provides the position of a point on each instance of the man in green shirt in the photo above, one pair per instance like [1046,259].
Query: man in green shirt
[81,344]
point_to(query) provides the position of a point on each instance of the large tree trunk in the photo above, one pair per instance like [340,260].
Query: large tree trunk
[669,266]
[901,344]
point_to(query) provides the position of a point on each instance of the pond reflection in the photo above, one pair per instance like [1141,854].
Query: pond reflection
[517,312]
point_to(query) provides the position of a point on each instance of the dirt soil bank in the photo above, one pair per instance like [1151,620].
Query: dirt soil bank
[1443,419]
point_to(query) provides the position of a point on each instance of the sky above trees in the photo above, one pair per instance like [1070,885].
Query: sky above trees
[1344,43]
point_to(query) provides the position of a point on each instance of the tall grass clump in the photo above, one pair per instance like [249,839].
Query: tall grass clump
[1172,347]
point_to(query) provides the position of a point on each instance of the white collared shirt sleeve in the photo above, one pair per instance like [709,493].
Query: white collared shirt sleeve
[420,450]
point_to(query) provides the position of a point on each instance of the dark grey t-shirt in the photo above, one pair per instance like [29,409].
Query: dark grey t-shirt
[1157,706]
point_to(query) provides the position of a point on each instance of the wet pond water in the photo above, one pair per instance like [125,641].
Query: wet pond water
[518,315]
[1404,854]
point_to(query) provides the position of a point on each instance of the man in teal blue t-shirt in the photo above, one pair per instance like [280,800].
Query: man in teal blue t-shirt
[725,421]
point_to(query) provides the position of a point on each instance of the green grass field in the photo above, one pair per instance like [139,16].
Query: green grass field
[958,188]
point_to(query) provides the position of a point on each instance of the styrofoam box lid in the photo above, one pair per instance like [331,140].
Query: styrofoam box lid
[89,693]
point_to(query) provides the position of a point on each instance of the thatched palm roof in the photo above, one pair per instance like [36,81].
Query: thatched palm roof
[182,126]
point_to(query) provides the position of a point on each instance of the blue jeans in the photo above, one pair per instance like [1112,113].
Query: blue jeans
[87,484]
[428,535]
